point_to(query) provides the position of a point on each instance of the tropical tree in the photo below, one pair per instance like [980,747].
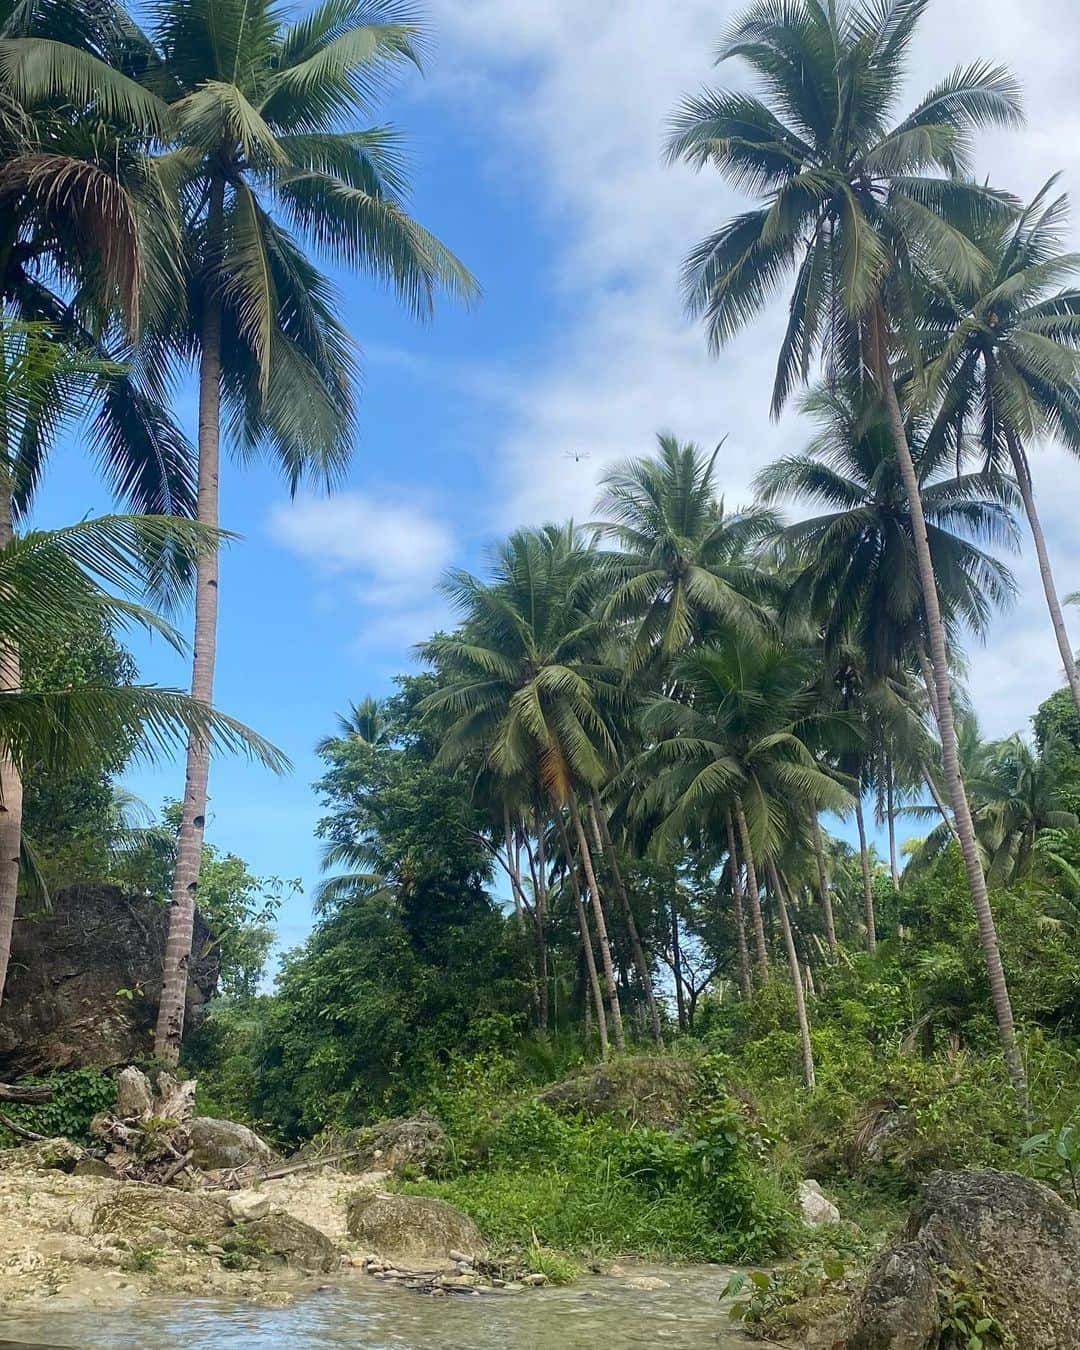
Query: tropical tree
[1006,367]
[856,204]
[527,693]
[263,156]
[681,567]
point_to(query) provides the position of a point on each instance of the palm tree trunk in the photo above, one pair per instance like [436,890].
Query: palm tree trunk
[586,937]
[676,966]
[890,811]
[1022,472]
[636,948]
[745,982]
[752,890]
[796,977]
[540,922]
[999,989]
[601,926]
[823,884]
[867,883]
[11,785]
[943,810]
[189,843]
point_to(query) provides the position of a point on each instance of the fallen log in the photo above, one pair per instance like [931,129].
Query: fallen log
[11,1092]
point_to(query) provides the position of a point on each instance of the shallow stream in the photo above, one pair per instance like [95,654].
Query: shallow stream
[368,1315]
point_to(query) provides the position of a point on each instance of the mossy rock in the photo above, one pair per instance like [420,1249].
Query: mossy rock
[226,1144]
[414,1142]
[410,1228]
[651,1090]
[45,1155]
[282,1238]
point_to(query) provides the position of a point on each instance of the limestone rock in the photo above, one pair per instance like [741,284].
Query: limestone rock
[817,1208]
[647,1283]
[131,1210]
[645,1090]
[246,1206]
[1012,1238]
[406,1141]
[410,1228]
[226,1144]
[44,1155]
[299,1245]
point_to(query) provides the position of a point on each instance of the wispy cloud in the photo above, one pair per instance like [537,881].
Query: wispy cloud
[575,99]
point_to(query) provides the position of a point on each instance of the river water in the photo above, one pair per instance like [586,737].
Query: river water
[369,1315]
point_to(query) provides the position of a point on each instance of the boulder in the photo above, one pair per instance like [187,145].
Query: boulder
[644,1090]
[410,1228]
[816,1207]
[132,1210]
[1011,1239]
[406,1141]
[300,1246]
[85,979]
[227,1144]
[245,1206]
[44,1155]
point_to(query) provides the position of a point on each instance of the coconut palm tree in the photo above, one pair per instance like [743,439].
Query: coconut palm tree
[264,156]
[855,203]
[527,690]
[1007,367]
[681,567]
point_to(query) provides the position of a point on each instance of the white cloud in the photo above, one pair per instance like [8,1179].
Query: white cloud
[576,98]
[391,554]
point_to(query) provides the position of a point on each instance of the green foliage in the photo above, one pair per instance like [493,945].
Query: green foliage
[1053,1156]
[142,1260]
[968,1323]
[78,1095]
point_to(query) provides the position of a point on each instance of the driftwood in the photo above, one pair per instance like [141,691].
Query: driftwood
[10,1092]
[148,1130]
[20,1130]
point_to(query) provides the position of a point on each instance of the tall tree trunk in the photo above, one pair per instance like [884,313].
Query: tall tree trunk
[890,811]
[752,889]
[11,785]
[943,810]
[867,883]
[641,964]
[796,976]
[540,923]
[189,842]
[999,989]
[676,966]
[745,982]
[513,867]
[823,884]
[1022,473]
[586,937]
[601,926]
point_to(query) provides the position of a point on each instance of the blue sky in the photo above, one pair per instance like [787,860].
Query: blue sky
[536,140]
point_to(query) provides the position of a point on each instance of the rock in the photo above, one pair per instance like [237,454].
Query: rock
[1010,1238]
[93,1167]
[460,1258]
[644,1090]
[536,1281]
[246,1206]
[817,1208]
[44,1155]
[380,1150]
[134,1096]
[227,1144]
[649,1283]
[85,980]
[410,1227]
[299,1245]
[131,1210]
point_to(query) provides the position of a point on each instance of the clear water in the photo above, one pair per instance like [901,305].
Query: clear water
[368,1315]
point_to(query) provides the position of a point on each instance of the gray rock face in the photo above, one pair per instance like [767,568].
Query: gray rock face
[411,1228]
[816,1206]
[1014,1239]
[300,1246]
[406,1141]
[62,1008]
[226,1144]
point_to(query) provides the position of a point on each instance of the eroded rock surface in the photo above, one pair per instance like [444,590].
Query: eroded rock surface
[646,1090]
[411,1228]
[406,1141]
[226,1144]
[1012,1239]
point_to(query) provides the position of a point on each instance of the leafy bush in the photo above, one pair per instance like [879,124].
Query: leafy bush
[78,1095]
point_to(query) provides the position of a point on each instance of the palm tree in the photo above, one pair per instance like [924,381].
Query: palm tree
[53,583]
[1007,364]
[264,153]
[527,691]
[364,723]
[682,567]
[855,204]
